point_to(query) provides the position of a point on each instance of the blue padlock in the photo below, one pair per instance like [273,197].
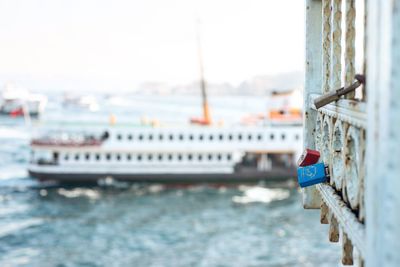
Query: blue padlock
[312,174]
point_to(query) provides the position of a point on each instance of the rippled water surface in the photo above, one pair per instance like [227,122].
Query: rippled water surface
[118,224]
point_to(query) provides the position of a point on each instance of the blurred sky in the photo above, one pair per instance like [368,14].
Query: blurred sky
[118,44]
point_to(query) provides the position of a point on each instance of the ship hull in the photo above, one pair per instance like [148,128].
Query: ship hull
[245,177]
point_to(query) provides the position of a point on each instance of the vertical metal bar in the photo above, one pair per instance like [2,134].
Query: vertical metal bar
[336,46]
[349,57]
[326,44]
[389,170]
[383,135]
[313,84]
[365,37]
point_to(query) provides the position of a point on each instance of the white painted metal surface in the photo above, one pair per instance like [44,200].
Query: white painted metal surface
[313,84]
[383,135]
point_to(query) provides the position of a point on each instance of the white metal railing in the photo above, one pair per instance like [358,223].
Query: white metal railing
[359,135]
[337,130]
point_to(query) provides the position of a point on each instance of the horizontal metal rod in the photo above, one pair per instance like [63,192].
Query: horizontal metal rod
[335,95]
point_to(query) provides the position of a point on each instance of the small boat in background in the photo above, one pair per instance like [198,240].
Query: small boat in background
[17,102]
[85,102]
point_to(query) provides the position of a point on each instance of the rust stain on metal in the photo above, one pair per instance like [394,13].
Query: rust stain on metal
[324,213]
[347,251]
[333,229]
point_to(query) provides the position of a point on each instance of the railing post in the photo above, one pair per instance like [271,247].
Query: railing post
[383,135]
[311,197]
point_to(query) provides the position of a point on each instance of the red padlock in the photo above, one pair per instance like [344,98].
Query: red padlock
[308,157]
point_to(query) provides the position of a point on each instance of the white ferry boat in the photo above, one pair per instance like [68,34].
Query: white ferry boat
[165,154]
[263,149]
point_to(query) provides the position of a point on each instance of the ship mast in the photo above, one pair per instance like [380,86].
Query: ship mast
[206,120]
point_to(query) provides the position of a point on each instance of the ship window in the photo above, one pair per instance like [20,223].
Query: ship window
[150,137]
[221,137]
[55,156]
[139,157]
[283,136]
[200,157]
[239,137]
[190,157]
[249,137]
[108,156]
[76,156]
[97,156]
[160,157]
[179,157]
[201,137]
[66,157]
[271,136]
[160,137]
[171,137]
[228,157]
[118,157]
[297,137]
[259,137]
[180,137]
[129,137]
[119,137]
[219,157]
[87,156]
[191,137]
[140,137]
[170,157]
[230,137]
[211,137]
[149,156]
[210,157]
[128,157]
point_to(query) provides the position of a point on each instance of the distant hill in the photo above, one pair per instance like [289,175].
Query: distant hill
[262,84]
[258,85]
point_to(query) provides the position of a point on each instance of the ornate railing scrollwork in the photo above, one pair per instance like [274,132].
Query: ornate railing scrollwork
[352,167]
[338,138]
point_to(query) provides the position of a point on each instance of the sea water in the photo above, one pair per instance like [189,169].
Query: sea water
[125,224]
